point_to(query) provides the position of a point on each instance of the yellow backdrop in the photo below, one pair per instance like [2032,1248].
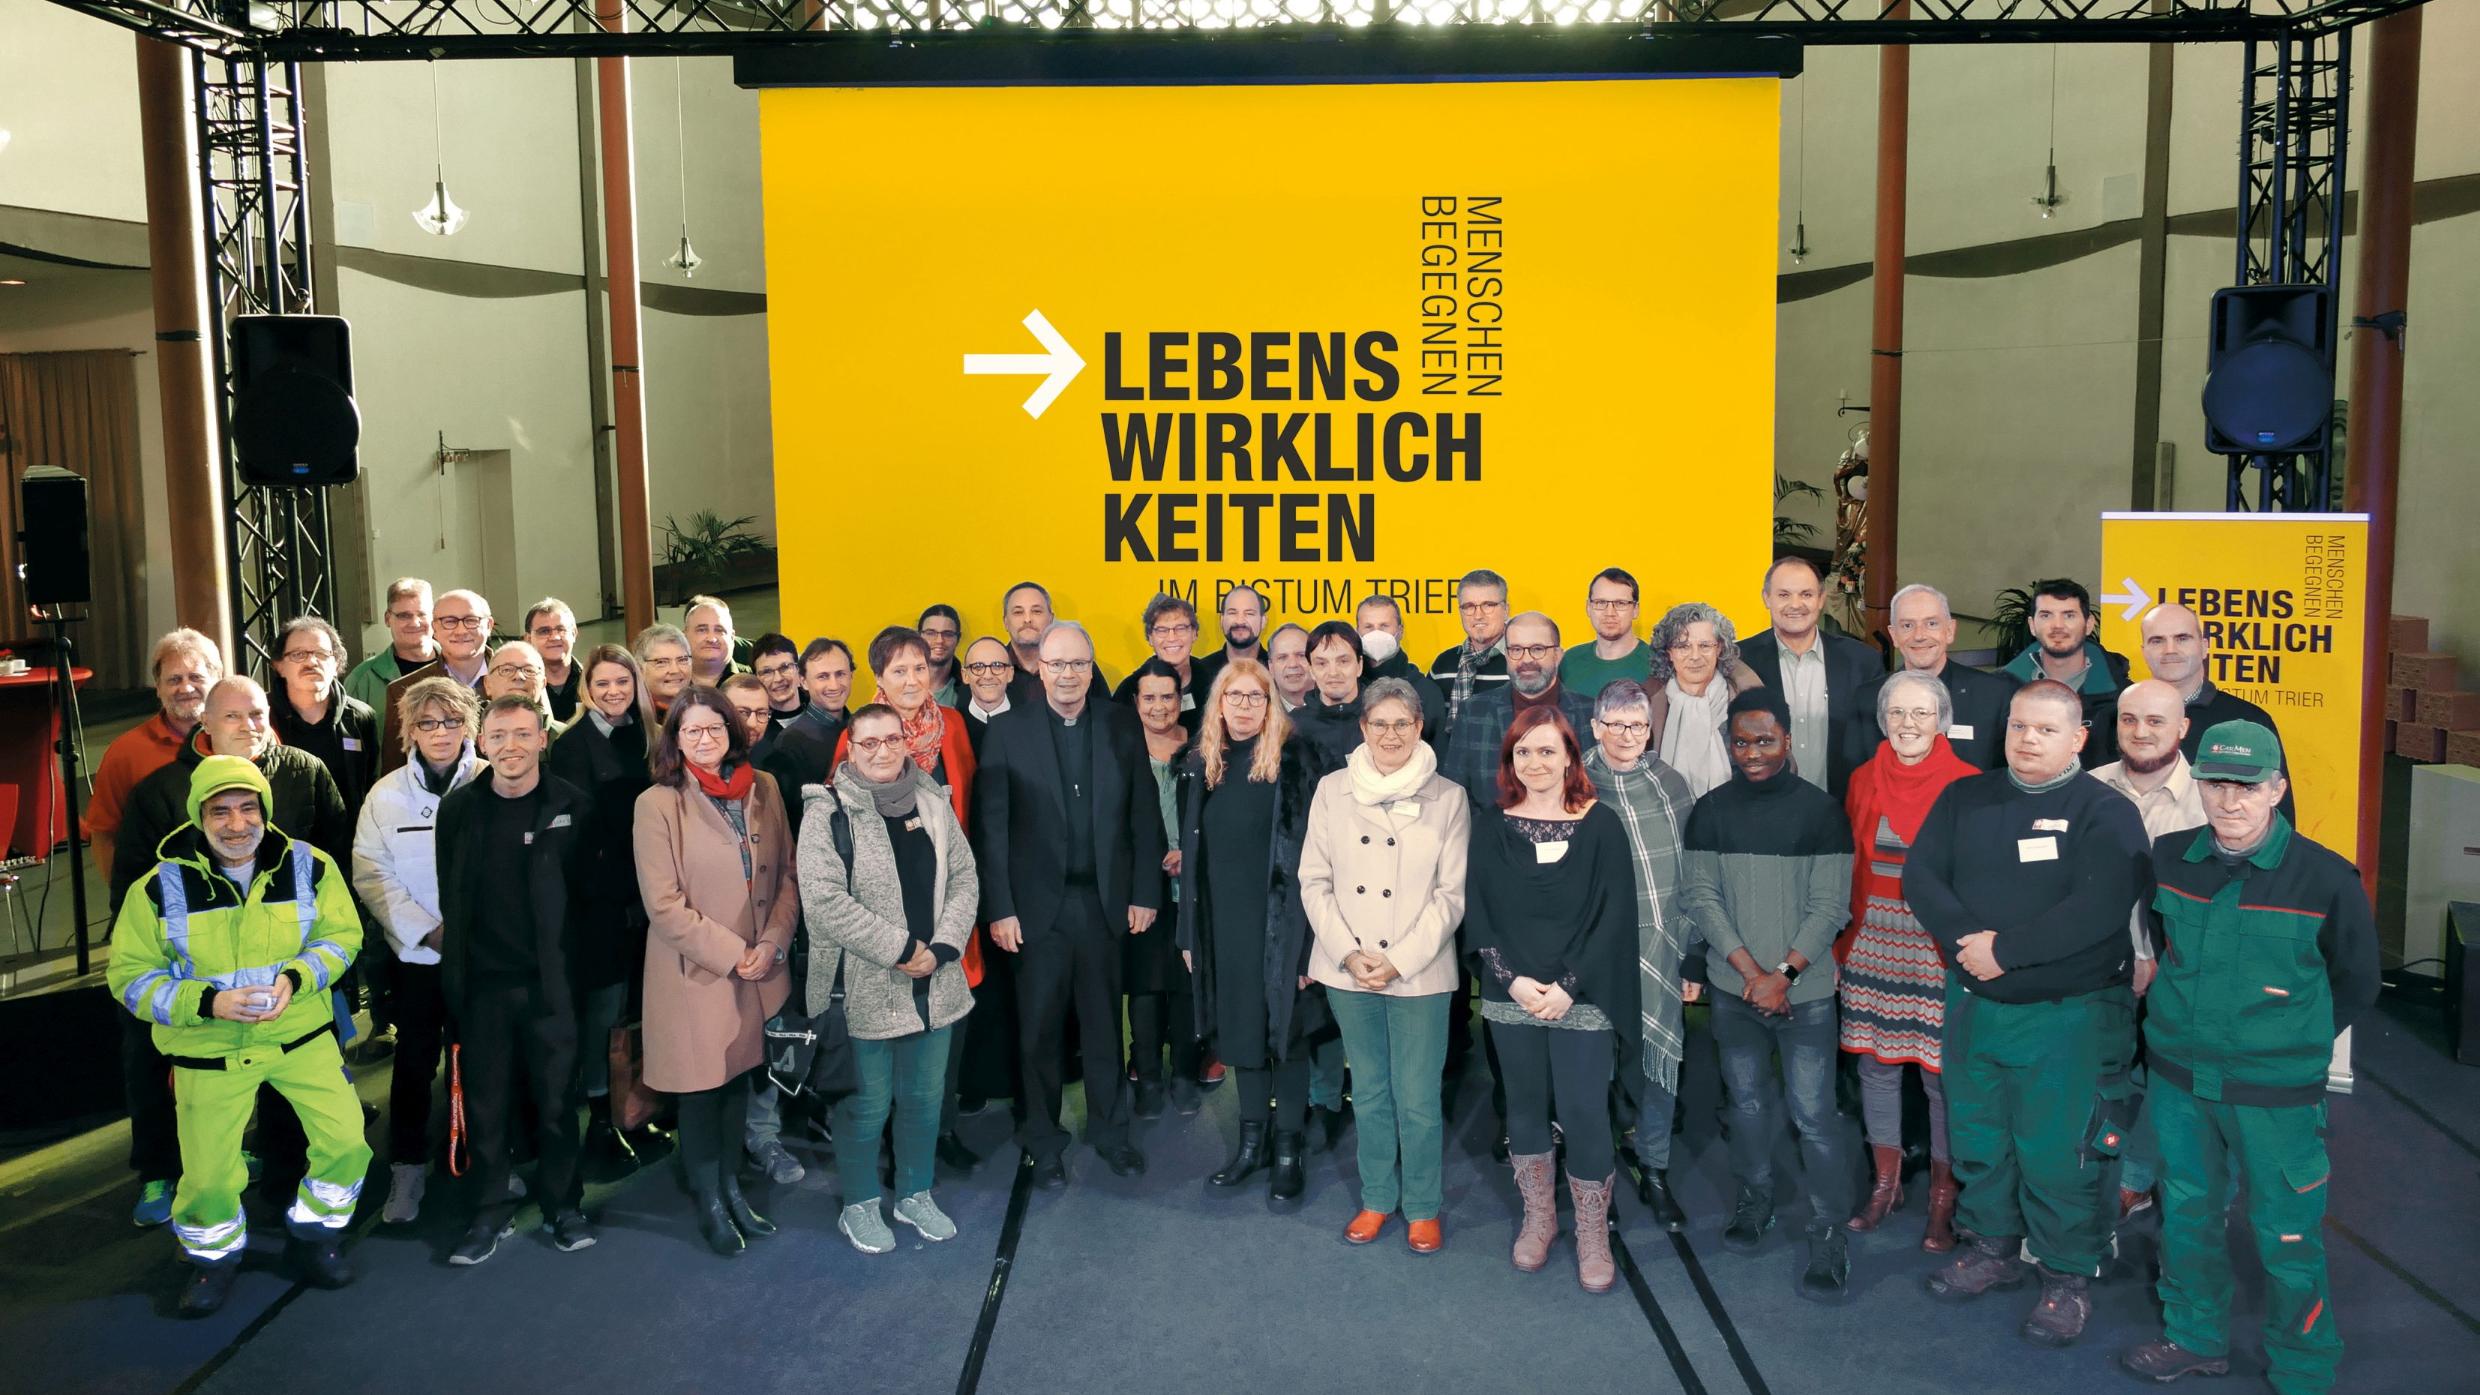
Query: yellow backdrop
[1255,266]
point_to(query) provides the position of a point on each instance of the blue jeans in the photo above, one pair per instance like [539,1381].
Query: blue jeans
[1326,1060]
[1806,1042]
[907,1074]
[1398,1050]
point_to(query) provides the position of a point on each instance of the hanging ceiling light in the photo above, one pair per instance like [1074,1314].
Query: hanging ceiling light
[1799,226]
[2049,198]
[686,258]
[440,217]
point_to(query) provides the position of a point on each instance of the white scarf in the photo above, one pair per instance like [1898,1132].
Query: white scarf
[1373,789]
[1692,734]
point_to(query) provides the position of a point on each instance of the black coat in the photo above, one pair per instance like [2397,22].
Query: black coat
[558,867]
[1192,694]
[346,740]
[307,806]
[1331,729]
[611,770]
[1850,667]
[1294,1015]
[1980,699]
[1020,821]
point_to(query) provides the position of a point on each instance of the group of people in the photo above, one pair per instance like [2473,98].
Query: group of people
[1288,858]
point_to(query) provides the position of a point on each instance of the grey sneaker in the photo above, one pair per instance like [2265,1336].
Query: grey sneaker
[924,1215]
[865,1228]
[404,1199]
[780,1166]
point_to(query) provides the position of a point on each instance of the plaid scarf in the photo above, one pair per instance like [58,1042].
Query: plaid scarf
[1652,800]
[1468,665]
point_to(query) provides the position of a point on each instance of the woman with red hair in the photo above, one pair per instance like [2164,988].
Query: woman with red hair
[1551,916]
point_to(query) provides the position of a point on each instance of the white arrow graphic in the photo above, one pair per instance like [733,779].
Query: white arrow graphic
[2135,598]
[1060,363]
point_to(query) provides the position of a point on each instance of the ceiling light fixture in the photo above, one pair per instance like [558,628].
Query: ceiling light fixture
[440,217]
[2049,198]
[686,258]
[1799,225]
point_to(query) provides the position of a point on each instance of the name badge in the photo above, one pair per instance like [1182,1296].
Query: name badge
[559,821]
[912,825]
[351,743]
[1405,806]
[1545,853]
[1188,702]
[2036,849]
[529,837]
[1959,732]
[2049,825]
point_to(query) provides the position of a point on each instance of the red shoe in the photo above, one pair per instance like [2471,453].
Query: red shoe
[1425,1237]
[1364,1227]
[1212,1074]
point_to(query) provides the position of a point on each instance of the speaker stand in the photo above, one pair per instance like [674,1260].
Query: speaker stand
[66,723]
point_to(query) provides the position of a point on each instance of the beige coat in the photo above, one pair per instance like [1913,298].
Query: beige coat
[1388,882]
[705,1023]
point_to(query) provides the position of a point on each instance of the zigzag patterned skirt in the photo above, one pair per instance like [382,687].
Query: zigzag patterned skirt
[1894,988]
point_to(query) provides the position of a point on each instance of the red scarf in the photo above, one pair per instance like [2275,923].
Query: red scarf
[1901,794]
[732,785]
[925,735]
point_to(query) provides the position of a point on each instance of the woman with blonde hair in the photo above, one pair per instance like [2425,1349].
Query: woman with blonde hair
[1243,818]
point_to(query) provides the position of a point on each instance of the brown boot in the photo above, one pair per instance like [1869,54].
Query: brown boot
[1940,1236]
[1988,1262]
[2065,1306]
[1885,1193]
[2165,1361]
[1536,1184]
[1594,1268]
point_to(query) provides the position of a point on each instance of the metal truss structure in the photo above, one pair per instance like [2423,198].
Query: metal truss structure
[254,193]
[2294,139]
[247,56]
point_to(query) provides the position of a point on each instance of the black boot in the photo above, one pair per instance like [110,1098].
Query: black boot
[1655,1189]
[751,1225]
[208,1286]
[320,1263]
[1247,1158]
[607,1155]
[952,1152]
[1288,1180]
[715,1223]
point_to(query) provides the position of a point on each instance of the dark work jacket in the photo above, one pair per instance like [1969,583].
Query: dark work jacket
[1433,702]
[2105,677]
[611,770]
[1294,1015]
[803,753]
[307,806]
[346,740]
[1020,818]
[1850,667]
[1332,730]
[557,866]
[563,695]
[1980,700]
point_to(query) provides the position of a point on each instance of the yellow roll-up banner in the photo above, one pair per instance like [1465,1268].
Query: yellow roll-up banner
[1328,339]
[2280,596]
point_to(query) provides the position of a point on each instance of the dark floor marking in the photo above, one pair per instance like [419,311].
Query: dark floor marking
[2417,1108]
[1722,1316]
[1010,1231]
[198,1378]
[2417,1285]
[1689,1382]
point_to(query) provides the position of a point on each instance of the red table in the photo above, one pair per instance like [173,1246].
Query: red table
[30,762]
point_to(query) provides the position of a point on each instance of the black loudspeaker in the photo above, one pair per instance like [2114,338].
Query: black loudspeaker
[294,421]
[52,503]
[2463,981]
[2269,374]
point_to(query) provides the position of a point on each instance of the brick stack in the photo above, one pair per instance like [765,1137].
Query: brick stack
[2428,716]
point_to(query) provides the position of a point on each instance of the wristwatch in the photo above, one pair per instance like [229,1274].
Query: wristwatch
[1790,974]
[779,954]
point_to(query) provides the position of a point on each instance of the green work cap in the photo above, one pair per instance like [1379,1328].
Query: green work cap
[2244,753]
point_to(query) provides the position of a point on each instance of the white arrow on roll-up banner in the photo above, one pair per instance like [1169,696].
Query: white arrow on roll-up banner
[2135,598]
[1060,363]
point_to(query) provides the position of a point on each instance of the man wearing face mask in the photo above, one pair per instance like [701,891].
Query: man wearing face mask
[1530,644]
[2269,950]
[1922,626]
[1381,623]
[227,948]
[2026,877]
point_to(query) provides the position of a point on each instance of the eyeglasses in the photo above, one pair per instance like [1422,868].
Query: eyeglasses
[1630,730]
[304,656]
[1477,607]
[1062,667]
[516,671]
[1913,716]
[1608,604]
[1532,651]
[1392,726]
[782,670]
[1244,700]
[872,745]
[461,622]
[704,731]
[987,667]
[428,725]
[1171,631]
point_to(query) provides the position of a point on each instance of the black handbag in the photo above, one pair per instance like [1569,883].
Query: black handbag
[813,1052]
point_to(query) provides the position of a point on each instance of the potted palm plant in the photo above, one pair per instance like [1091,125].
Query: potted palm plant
[711,554]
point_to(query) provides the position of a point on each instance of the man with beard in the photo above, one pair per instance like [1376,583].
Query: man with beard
[2064,651]
[232,901]
[1530,644]
[462,620]
[1171,632]
[1027,608]
[2026,877]
[2177,652]
[1923,628]
[942,629]
[1479,664]
[1243,620]
[1381,623]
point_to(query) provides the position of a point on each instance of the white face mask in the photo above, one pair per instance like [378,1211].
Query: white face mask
[1378,646]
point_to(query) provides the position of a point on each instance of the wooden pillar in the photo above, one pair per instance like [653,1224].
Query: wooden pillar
[628,407]
[1894,123]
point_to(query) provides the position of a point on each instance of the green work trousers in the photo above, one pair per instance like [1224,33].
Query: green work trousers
[212,1108]
[2038,1104]
[2278,1152]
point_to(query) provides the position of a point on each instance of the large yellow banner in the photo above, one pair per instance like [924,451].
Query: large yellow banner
[2280,596]
[1327,339]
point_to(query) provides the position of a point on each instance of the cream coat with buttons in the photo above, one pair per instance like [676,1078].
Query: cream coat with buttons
[1387,881]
